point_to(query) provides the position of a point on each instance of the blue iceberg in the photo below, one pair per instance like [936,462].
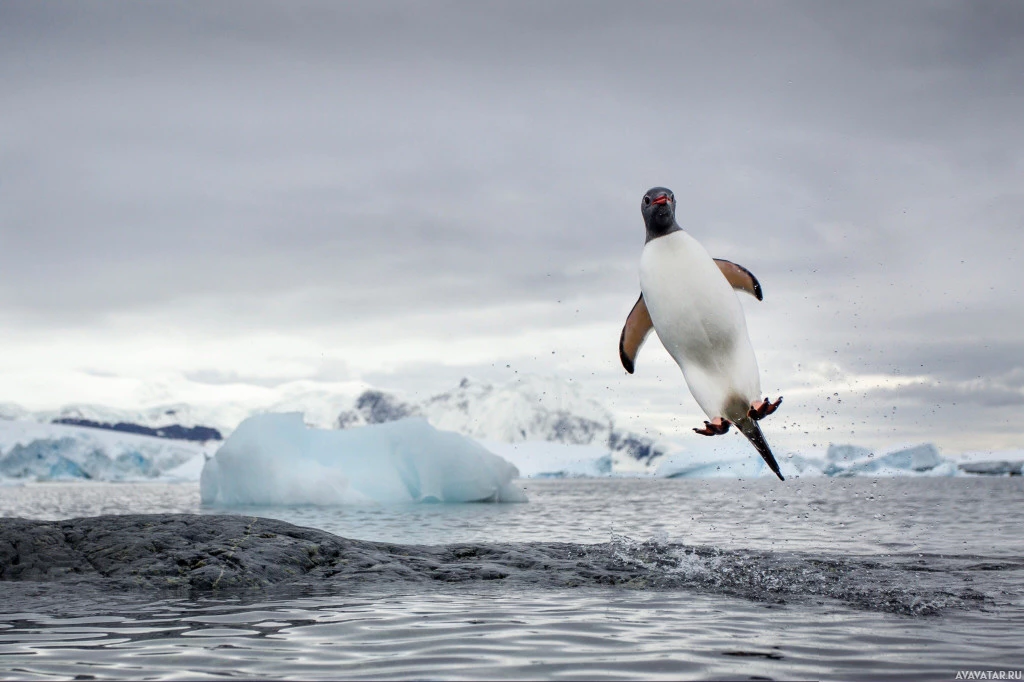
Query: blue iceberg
[275,459]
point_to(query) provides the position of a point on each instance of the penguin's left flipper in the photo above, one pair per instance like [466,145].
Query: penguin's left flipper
[740,278]
[638,326]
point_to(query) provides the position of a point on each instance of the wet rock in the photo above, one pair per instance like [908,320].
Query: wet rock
[210,553]
[171,550]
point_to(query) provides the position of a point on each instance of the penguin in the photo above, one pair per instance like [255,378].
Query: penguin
[687,297]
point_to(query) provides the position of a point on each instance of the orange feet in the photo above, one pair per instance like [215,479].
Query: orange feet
[763,408]
[715,427]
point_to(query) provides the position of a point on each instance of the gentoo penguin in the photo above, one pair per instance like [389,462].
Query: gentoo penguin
[687,297]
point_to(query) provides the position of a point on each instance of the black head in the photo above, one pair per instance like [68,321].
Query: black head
[659,209]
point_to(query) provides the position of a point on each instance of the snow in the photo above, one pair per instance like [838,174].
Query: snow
[320,407]
[990,455]
[154,417]
[546,426]
[531,408]
[729,456]
[190,470]
[275,459]
[11,411]
[320,402]
[31,451]
[542,459]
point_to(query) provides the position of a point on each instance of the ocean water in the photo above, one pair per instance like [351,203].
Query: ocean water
[811,578]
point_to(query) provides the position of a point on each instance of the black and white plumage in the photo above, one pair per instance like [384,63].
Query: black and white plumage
[688,298]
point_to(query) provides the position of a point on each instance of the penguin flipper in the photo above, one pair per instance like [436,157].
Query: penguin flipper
[638,326]
[740,278]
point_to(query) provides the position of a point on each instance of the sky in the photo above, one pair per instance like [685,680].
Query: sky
[211,202]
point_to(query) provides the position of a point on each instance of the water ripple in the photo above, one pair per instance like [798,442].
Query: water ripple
[490,633]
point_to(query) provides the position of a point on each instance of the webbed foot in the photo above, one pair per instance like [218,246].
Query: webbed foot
[763,408]
[715,427]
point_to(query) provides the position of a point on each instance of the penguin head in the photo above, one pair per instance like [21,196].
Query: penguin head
[659,209]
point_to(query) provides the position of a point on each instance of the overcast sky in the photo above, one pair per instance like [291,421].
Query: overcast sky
[208,201]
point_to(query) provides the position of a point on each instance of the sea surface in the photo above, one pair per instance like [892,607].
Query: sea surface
[812,578]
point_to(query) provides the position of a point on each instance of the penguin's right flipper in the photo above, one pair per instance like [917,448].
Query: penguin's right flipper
[740,278]
[638,326]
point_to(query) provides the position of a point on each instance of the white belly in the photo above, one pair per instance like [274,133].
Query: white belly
[700,321]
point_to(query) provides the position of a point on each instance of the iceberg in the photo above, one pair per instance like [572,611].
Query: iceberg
[848,460]
[274,459]
[1001,467]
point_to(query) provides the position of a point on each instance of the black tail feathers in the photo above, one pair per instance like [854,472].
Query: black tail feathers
[749,428]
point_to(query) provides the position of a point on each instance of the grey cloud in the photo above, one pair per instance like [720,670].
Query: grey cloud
[986,393]
[219,378]
[268,165]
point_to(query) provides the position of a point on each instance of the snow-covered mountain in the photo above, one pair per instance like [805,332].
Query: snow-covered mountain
[180,414]
[320,407]
[545,426]
[533,408]
[530,409]
[31,451]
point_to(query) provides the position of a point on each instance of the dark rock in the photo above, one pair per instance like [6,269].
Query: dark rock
[640,448]
[167,550]
[348,419]
[172,431]
[204,553]
[378,407]
[573,430]
[540,422]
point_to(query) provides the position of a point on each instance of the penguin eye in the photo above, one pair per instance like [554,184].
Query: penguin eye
[647,201]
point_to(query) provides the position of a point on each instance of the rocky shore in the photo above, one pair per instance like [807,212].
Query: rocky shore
[230,552]
[208,552]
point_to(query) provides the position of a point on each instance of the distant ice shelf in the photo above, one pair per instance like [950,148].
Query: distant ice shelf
[734,458]
[275,459]
[33,451]
[56,452]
